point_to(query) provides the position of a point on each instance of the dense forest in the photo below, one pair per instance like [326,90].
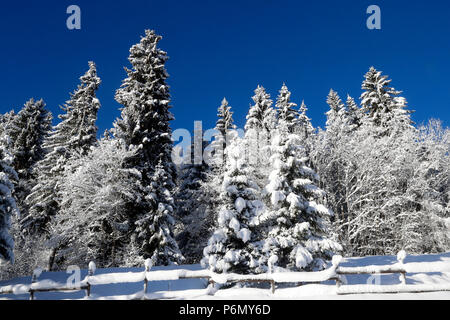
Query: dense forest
[282,195]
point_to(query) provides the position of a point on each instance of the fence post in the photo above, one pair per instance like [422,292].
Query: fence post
[148,266]
[336,260]
[401,258]
[36,273]
[212,282]
[272,260]
[91,271]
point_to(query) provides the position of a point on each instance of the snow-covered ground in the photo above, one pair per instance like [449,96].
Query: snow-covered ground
[193,289]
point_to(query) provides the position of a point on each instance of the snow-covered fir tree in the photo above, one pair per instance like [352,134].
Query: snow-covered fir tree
[7,202]
[336,114]
[6,121]
[74,135]
[145,118]
[224,124]
[288,116]
[382,103]
[28,130]
[193,202]
[233,247]
[261,115]
[353,114]
[203,182]
[153,237]
[261,121]
[304,126]
[297,223]
[145,124]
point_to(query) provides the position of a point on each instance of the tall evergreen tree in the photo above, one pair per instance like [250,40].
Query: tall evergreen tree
[74,135]
[382,104]
[261,115]
[145,124]
[261,122]
[233,246]
[6,120]
[296,221]
[304,128]
[287,114]
[153,237]
[261,119]
[223,126]
[7,203]
[27,131]
[194,205]
[337,110]
[353,114]
[146,116]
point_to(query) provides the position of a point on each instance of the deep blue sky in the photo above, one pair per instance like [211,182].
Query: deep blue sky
[226,48]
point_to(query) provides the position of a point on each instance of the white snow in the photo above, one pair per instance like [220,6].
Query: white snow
[240,204]
[244,234]
[401,256]
[235,225]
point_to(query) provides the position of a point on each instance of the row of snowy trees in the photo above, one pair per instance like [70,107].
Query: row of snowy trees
[282,195]
[288,194]
[70,198]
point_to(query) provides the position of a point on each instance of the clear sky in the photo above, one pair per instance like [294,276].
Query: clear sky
[226,48]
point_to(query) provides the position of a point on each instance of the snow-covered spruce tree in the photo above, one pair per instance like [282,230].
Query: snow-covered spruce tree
[201,184]
[232,247]
[297,224]
[192,173]
[145,124]
[261,115]
[224,124]
[288,116]
[382,103]
[353,114]
[193,203]
[6,121]
[74,135]
[94,222]
[336,114]
[7,203]
[153,237]
[261,121]
[27,131]
[146,116]
[304,126]
[296,121]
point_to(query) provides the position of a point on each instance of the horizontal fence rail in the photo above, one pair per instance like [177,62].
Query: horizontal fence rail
[334,273]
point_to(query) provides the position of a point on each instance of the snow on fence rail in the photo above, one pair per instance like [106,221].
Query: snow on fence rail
[335,273]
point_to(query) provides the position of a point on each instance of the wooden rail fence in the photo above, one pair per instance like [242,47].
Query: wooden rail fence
[334,273]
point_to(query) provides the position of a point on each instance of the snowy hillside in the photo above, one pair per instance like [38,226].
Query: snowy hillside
[192,289]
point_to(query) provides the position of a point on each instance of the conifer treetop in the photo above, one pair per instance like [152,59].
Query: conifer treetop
[261,115]
[286,109]
[145,97]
